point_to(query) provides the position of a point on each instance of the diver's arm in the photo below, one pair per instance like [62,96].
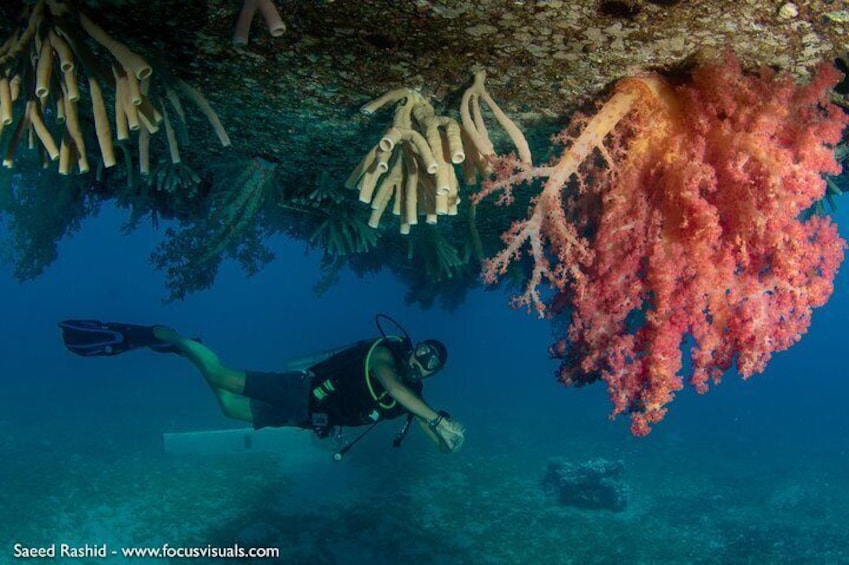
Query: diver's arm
[383,367]
[447,435]
[433,436]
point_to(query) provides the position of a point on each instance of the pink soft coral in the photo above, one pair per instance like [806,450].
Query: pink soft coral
[686,221]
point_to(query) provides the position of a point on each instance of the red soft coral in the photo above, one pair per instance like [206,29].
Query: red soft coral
[692,227]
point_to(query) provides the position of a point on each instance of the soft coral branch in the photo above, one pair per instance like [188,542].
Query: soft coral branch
[547,227]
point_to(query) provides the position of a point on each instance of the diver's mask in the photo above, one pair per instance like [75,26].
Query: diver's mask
[427,357]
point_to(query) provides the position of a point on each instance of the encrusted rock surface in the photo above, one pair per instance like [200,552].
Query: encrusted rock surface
[294,98]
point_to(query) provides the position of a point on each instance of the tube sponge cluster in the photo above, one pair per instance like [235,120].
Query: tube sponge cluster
[413,163]
[52,60]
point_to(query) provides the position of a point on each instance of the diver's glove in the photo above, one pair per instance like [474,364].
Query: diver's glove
[451,432]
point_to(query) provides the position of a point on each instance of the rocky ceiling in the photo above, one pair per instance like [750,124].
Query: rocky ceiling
[294,98]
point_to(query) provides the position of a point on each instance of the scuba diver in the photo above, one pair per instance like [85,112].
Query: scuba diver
[359,385]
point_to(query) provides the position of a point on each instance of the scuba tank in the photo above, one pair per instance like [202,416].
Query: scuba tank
[304,362]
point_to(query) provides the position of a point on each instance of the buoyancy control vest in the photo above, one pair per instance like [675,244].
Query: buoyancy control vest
[347,392]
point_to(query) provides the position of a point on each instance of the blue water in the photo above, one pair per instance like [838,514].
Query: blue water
[753,472]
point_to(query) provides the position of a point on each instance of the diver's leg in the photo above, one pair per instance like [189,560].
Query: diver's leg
[274,399]
[219,377]
[235,405]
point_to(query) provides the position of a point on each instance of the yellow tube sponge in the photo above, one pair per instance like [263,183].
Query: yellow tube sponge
[53,47]
[269,12]
[415,145]
[425,147]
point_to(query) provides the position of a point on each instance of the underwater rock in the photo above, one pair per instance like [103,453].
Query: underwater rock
[596,484]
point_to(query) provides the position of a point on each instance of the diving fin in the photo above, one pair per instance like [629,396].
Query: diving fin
[91,338]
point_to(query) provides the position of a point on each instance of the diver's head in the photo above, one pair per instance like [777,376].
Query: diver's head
[428,357]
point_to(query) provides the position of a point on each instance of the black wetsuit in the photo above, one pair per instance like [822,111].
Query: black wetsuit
[333,392]
[351,403]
